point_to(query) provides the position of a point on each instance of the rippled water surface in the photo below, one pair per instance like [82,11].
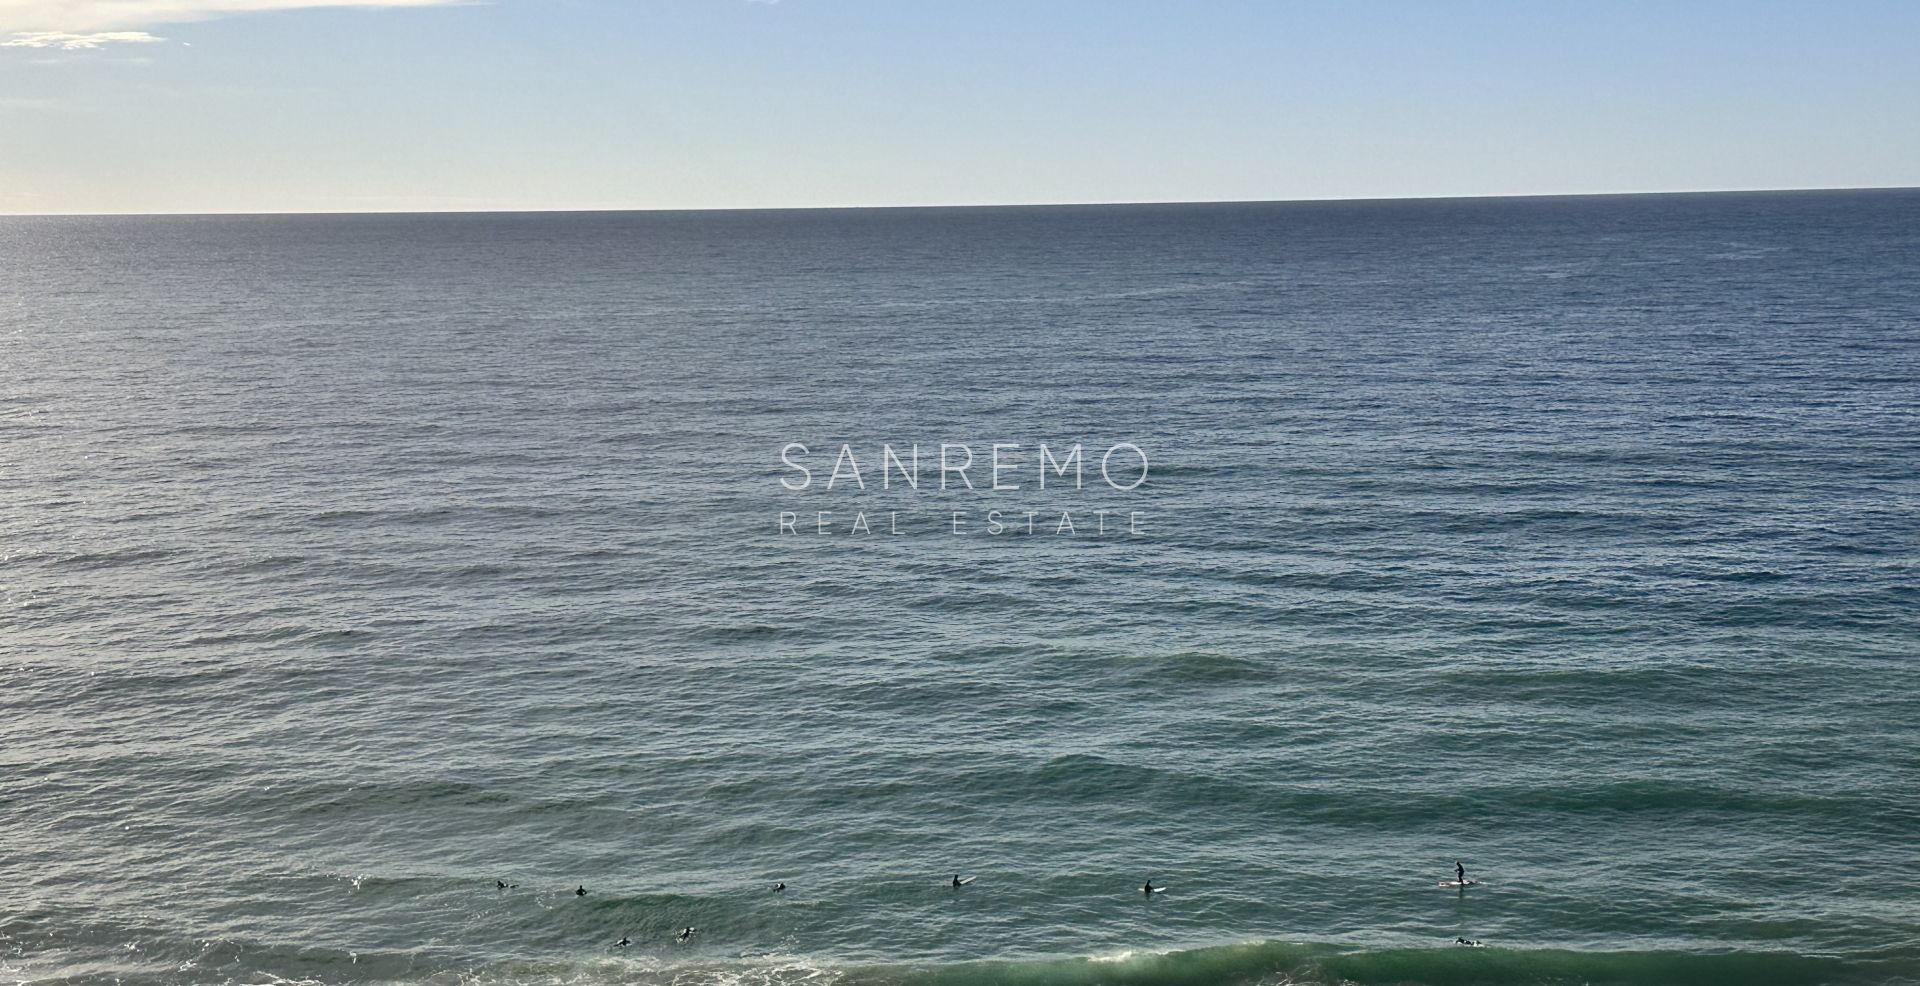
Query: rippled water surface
[349,565]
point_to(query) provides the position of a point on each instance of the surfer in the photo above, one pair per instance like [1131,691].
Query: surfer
[779,887]
[502,884]
[686,934]
[623,942]
[1469,942]
[956,879]
[1147,888]
[1460,872]
[580,891]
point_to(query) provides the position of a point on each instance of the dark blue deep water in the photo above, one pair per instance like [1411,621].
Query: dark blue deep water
[350,564]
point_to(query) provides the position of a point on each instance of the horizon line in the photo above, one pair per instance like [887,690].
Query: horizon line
[588,210]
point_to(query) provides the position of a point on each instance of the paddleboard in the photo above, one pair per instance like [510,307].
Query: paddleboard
[1457,883]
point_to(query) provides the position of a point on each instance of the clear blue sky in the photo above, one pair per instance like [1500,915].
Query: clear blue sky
[743,103]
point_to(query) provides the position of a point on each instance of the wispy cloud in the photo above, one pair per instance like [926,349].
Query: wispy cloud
[75,42]
[97,18]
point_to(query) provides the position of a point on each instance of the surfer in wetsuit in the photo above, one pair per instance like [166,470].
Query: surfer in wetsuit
[779,887]
[687,933]
[956,879]
[1147,888]
[580,891]
[1460,872]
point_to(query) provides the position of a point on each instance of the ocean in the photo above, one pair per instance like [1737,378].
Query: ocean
[351,566]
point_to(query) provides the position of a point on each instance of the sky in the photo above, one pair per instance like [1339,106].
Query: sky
[110,106]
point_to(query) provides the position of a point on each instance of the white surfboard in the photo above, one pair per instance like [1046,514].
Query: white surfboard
[1458,883]
[962,883]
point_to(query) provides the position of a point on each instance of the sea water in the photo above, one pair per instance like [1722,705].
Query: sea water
[351,564]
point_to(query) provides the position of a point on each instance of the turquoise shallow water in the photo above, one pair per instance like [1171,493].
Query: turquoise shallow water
[351,564]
